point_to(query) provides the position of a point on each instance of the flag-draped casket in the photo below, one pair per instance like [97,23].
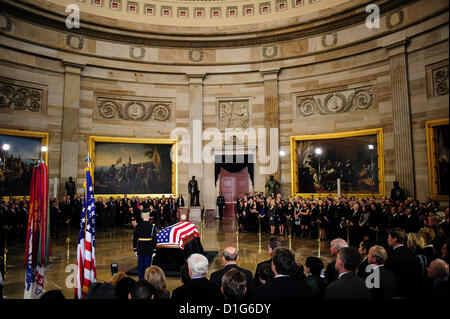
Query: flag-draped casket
[174,244]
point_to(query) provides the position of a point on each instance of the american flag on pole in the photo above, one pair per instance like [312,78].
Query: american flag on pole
[86,270]
[174,236]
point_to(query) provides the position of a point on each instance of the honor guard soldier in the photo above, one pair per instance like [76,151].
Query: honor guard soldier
[220,202]
[144,241]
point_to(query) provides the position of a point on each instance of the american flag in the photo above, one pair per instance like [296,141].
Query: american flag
[173,236]
[86,271]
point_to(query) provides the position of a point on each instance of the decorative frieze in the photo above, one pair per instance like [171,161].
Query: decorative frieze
[132,108]
[22,96]
[269,51]
[137,53]
[335,102]
[395,19]
[438,79]
[5,23]
[74,42]
[233,114]
[196,55]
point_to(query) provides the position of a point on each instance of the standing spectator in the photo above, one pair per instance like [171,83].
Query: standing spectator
[155,277]
[331,273]
[348,285]
[363,250]
[397,194]
[314,267]
[438,272]
[229,258]
[198,288]
[234,285]
[403,263]
[283,287]
[386,285]
[428,236]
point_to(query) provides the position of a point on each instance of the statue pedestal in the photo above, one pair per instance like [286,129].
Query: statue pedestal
[195,214]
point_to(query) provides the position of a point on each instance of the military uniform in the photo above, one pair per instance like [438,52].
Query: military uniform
[220,205]
[144,242]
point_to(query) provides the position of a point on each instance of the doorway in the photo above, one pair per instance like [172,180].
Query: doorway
[232,185]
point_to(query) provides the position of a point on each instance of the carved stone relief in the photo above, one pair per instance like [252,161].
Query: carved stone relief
[437,79]
[22,96]
[335,102]
[233,114]
[132,108]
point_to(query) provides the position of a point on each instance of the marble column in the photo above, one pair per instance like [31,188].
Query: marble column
[272,119]
[196,129]
[70,123]
[401,114]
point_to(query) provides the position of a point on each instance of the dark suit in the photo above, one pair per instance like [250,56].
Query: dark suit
[283,288]
[256,281]
[216,277]
[439,291]
[197,290]
[403,264]
[349,286]
[388,284]
[331,274]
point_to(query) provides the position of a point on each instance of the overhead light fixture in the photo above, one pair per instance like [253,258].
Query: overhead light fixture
[318,151]
[5,147]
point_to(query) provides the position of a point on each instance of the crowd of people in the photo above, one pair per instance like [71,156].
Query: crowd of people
[391,248]
[394,270]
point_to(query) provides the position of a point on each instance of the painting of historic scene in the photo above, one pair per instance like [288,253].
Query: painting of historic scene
[18,162]
[129,168]
[442,153]
[349,159]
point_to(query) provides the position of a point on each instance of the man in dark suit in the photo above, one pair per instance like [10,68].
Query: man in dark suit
[331,273]
[438,272]
[230,258]
[403,263]
[276,241]
[283,286]
[198,289]
[348,285]
[384,284]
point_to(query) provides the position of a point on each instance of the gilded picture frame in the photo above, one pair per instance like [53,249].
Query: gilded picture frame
[134,143]
[436,179]
[25,145]
[373,184]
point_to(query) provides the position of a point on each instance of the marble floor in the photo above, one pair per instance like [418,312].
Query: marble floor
[116,246]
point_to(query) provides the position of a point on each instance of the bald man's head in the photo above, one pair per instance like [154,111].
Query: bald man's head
[438,270]
[230,255]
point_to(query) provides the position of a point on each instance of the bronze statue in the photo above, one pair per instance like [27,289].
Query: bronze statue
[272,185]
[194,192]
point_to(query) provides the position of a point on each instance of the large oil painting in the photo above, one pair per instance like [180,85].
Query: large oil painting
[355,159]
[133,166]
[19,153]
[438,144]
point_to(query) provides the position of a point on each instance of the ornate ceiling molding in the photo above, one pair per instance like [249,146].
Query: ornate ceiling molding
[201,37]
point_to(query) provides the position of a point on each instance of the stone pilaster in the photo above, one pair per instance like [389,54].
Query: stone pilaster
[71,111]
[272,117]
[401,114]
[196,130]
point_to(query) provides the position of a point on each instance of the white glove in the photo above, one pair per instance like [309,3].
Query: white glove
[135,253]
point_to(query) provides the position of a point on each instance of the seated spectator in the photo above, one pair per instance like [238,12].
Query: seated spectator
[348,285]
[438,272]
[229,258]
[314,267]
[428,236]
[198,288]
[283,287]
[124,287]
[53,295]
[155,277]
[330,273]
[234,285]
[385,285]
[142,291]
[403,264]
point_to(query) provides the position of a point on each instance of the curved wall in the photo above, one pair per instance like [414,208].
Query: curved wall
[77,69]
